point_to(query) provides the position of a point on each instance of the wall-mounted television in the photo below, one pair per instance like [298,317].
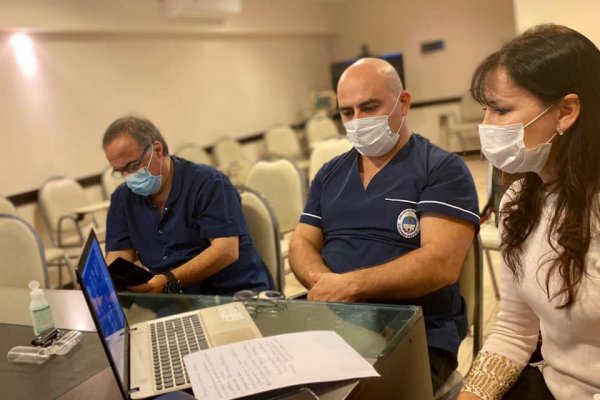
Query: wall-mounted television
[337,68]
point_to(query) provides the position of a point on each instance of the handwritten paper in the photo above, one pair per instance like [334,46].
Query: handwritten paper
[258,365]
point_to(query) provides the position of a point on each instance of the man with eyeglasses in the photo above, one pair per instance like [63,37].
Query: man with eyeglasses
[182,220]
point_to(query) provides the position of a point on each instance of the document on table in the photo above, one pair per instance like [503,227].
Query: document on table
[258,365]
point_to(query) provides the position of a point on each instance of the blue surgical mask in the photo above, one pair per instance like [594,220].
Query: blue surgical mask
[142,182]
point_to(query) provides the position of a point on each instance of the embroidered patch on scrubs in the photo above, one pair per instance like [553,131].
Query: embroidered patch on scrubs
[408,223]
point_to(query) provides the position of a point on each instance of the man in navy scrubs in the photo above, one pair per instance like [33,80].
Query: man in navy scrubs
[182,220]
[392,219]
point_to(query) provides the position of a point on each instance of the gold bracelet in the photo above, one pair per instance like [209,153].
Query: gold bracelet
[490,376]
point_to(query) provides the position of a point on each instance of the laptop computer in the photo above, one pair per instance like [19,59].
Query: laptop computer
[142,364]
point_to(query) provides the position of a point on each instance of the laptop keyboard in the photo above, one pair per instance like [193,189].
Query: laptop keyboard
[172,339]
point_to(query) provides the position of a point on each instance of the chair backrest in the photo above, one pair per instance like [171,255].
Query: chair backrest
[109,183]
[264,231]
[282,141]
[231,159]
[320,128]
[325,151]
[282,184]
[6,207]
[194,153]
[471,289]
[227,151]
[58,197]
[22,254]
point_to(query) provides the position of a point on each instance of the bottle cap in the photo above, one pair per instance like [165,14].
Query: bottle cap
[36,294]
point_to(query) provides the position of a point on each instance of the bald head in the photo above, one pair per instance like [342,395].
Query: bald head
[374,70]
[371,87]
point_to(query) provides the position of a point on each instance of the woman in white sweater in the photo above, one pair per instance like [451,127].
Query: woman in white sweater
[542,129]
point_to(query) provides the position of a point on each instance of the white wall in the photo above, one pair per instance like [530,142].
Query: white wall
[470,29]
[581,15]
[101,59]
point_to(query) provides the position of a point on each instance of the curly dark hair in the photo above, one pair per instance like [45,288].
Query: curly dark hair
[551,61]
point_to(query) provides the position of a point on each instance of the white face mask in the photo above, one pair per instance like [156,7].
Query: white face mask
[504,147]
[372,136]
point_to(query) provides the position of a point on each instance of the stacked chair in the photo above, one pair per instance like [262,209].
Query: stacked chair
[264,231]
[194,153]
[68,214]
[22,252]
[282,184]
[282,141]
[324,151]
[471,290]
[319,128]
[53,256]
[231,159]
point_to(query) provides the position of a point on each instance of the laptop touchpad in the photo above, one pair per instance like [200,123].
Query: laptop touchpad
[233,336]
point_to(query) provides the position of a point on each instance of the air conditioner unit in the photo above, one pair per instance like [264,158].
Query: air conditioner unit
[201,9]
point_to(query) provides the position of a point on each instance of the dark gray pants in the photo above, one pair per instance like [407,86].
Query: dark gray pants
[441,363]
[529,386]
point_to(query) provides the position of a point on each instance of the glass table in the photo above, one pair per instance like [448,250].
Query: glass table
[391,337]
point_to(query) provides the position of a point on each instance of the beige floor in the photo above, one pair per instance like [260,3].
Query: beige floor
[478,168]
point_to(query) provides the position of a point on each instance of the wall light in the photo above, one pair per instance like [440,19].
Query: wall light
[24,53]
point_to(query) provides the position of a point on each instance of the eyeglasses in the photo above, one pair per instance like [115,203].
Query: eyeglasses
[266,300]
[130,167]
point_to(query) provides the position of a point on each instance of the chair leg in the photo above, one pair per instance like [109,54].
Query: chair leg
[488,258]
[71,271]
[60,267]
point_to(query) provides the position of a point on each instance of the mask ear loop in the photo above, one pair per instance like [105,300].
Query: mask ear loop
[401,124]
[539,116]
[150,162]
[148,167]
[395,104]
[161,163]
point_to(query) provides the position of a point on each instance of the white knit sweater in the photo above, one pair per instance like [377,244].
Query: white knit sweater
[571,338]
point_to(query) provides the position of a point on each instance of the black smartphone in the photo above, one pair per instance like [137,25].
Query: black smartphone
[125,273]
[45,339]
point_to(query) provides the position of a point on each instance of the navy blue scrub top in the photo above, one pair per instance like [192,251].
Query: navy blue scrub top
[367,227]
[202,204]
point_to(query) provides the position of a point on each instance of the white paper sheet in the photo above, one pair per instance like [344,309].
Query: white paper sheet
[258,365]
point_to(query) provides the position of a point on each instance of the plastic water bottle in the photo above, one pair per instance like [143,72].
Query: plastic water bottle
[28,355]
[41,314]
[65,343]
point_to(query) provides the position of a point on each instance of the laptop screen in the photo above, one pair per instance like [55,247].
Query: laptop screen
[104,304]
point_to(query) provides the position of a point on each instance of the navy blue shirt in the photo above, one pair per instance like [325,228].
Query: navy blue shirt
[367,227]
[202,204]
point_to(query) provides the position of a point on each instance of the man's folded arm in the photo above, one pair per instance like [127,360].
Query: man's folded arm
[437,263]
[305,253]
